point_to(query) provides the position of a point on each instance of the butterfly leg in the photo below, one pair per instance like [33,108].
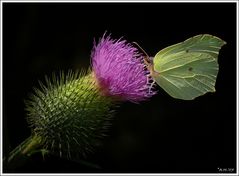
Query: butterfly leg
[151,86]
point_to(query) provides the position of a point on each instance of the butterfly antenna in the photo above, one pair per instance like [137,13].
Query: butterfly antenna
[136,44]
[148,63]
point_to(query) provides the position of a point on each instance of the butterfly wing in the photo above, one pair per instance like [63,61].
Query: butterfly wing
[189,69]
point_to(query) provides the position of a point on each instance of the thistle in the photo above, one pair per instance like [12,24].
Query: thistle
[69,114]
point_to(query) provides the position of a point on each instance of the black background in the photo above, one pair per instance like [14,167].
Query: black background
[163,135]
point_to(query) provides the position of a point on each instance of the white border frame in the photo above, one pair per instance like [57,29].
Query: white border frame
[123,1]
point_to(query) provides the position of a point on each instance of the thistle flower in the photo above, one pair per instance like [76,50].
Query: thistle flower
[119,70]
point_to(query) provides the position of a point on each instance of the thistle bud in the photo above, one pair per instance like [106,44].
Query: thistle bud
[69,113]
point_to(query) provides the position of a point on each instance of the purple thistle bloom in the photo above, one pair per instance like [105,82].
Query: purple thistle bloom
[119,70]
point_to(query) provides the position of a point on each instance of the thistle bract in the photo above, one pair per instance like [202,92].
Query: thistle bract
[69,114]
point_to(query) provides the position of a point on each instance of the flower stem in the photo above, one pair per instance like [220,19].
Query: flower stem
[21,153]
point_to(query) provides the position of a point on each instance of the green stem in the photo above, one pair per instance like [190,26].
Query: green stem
[21,153]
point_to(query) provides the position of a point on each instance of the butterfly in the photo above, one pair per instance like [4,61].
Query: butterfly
[187,69]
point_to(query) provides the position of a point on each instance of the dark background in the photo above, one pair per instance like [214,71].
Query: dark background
[163,135]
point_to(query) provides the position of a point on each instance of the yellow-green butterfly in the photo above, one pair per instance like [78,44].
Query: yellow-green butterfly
[188,69]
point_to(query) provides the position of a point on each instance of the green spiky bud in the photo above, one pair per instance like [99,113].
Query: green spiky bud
[69,113]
